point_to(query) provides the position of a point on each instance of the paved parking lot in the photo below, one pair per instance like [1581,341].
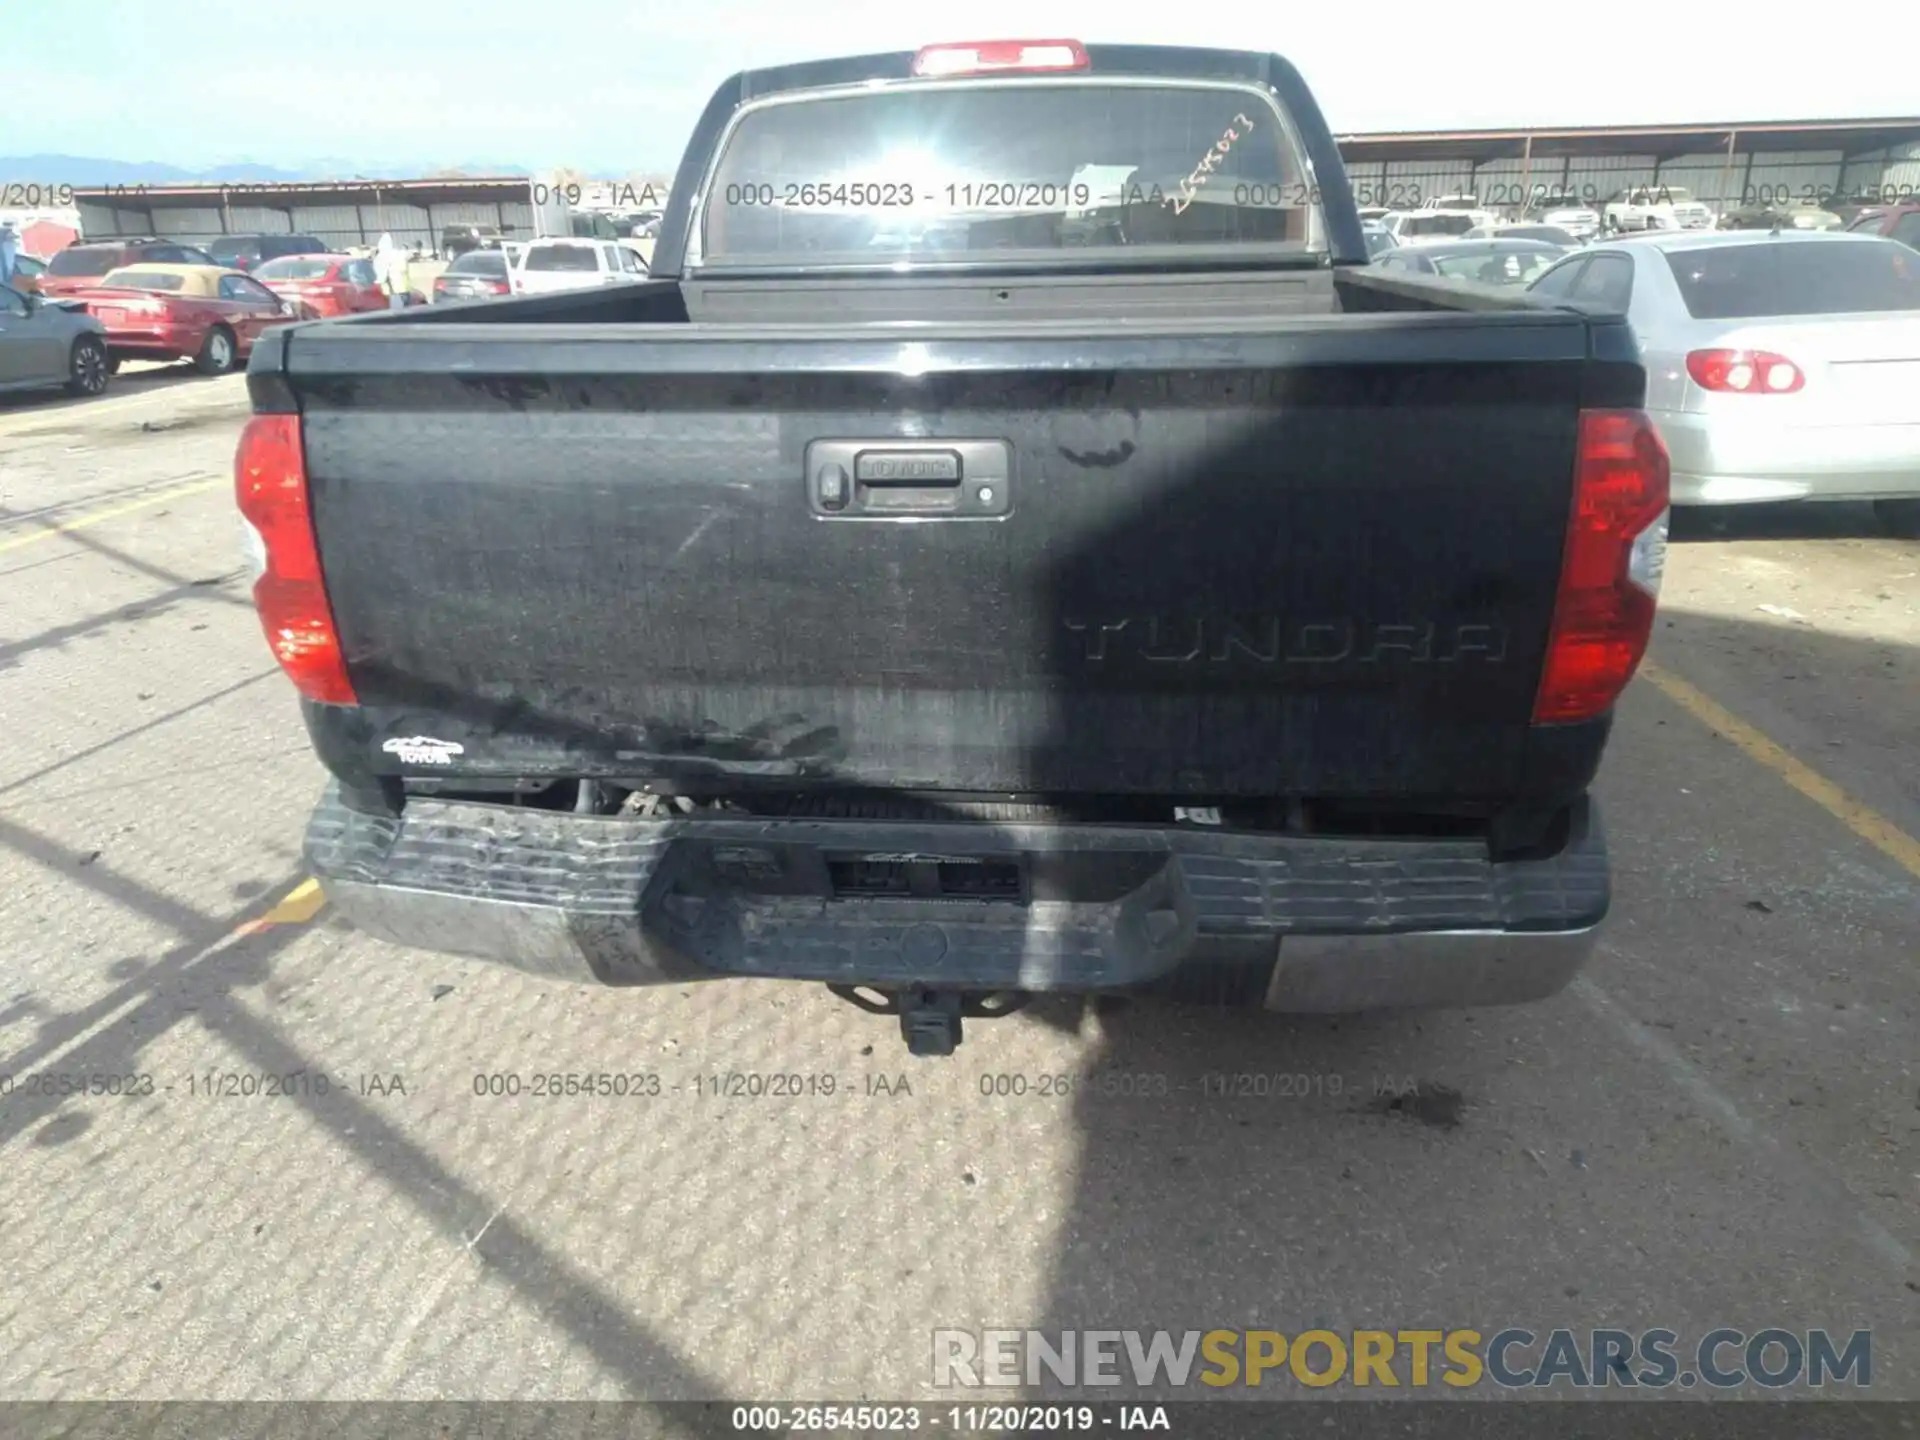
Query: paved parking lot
[1718,1125]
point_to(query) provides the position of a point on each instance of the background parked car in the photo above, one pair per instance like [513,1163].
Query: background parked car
[1788,215]
[1425,227]
[541,266]
[250,252]
[79,266]
[1580,221]
[49,342]
[1468,205]
[476,275]
[458,240]
[1780,366]
[1379,239]
[1489,262]
[205,313]
[1656,207]
[326,284]
[1545,234]
[1896,222]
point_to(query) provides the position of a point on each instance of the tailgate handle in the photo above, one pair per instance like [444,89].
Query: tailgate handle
[879,479]
[908,469]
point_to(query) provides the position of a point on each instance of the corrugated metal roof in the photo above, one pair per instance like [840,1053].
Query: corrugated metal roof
[1656,140]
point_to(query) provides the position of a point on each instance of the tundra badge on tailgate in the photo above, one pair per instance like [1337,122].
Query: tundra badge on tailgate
[423,750]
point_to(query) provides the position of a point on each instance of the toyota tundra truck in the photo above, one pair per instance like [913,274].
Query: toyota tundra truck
[1012,544]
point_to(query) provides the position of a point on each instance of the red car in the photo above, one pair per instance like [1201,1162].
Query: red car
[328,284]
[203,313]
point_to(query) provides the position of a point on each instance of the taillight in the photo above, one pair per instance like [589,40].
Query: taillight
[980,57]
[1744,372]
[270,482]
[499,287]
[1610,573]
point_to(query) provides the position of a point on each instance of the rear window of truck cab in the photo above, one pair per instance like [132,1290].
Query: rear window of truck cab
[926,171]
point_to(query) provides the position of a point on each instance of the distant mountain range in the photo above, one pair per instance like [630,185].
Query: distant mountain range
[94,170]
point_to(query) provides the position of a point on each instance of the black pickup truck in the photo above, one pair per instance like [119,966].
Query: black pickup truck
[1013,544]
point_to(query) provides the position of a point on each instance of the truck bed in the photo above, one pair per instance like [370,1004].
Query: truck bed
[1287,542]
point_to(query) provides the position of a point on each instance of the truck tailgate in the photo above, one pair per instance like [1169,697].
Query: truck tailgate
[1309,557]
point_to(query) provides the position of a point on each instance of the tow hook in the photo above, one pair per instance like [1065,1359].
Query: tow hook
[929,1018]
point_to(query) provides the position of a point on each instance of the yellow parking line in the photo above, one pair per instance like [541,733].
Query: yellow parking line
[296,907]
[20,542]
[1862,819]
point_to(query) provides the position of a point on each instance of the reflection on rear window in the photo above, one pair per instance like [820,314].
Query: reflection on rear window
[233,249]
[561,257]
[1750,282]
[947,173]
[293,268]
[83,262]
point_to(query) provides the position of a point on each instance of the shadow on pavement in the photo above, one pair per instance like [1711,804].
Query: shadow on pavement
[214,959]
[137,378]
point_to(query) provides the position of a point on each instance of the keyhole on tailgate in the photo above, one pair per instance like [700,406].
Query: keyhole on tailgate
[833,487]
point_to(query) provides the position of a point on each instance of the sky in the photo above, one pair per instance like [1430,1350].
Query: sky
[606,87]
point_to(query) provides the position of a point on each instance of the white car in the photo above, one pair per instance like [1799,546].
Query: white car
[1577,220]
[539,267]
[1657,207]
[1423,227]
[1462,205]
[1779,366]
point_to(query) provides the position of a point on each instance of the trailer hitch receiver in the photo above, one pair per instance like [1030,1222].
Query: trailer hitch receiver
[930,1019]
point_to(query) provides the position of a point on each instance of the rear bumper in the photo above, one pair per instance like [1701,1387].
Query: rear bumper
[1725,460]
[1311,924]
[154,342]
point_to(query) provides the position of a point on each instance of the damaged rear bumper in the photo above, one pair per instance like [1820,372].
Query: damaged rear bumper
[1305,923]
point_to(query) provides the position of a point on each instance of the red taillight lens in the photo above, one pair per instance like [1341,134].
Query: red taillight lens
[1610,575]
[978,57]
[270,482]
[1744,372]
[500,287]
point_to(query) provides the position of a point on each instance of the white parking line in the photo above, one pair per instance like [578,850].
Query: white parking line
[1700,1090]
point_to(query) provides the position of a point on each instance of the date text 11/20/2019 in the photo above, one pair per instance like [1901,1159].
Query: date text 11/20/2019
[984,1419]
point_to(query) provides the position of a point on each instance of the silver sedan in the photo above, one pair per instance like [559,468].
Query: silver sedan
[42,344]
[1779,366]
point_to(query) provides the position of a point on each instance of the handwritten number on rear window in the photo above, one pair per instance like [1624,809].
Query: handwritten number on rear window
[1209,162]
